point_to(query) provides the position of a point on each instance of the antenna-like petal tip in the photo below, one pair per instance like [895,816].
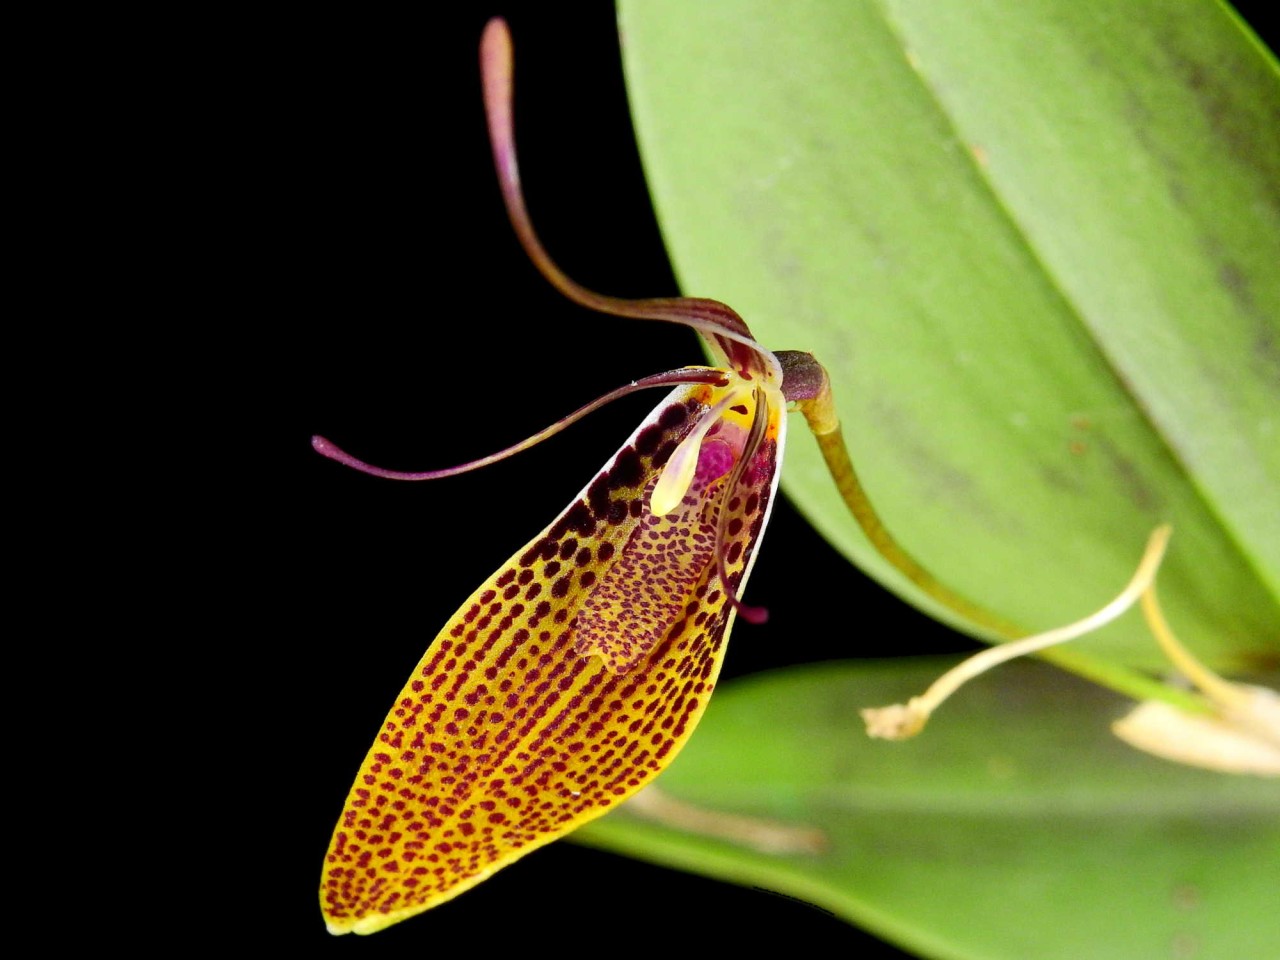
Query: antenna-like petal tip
[495,47]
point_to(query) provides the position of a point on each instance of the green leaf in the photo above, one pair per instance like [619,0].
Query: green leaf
[1035,243]
[1015,826]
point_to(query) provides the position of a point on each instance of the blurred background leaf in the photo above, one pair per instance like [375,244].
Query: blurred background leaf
[1035,245]
[1016,826]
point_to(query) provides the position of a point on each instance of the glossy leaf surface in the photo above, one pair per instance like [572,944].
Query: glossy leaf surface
[1017,826]
[1035,244]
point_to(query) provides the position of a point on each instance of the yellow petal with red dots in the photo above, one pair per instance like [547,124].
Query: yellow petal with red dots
[564,684]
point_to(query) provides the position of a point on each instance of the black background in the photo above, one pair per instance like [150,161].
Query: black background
[363,279]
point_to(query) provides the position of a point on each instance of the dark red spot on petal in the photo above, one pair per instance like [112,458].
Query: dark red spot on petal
[627,469]
[673,416]
[598,495]
[664,452]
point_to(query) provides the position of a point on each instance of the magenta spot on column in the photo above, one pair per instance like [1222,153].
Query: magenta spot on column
[715,459]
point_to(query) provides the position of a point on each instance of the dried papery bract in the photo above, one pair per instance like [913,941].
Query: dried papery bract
[1241,734]
[578,670]
[1236,729]
[900,721]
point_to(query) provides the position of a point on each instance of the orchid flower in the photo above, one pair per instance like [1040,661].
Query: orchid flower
[574,675]
[577,672]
